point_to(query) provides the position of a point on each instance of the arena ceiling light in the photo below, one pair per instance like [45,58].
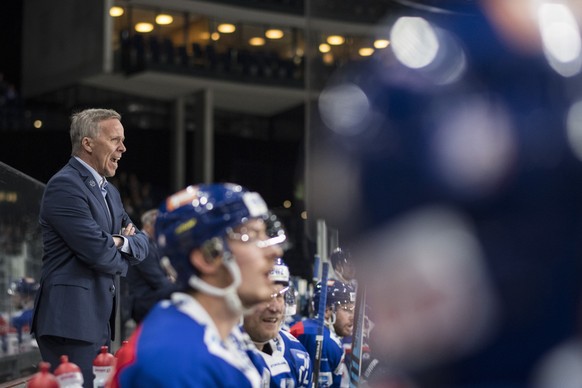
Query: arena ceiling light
[116,11]
[144,27]
[336,40]
[257,41]
[164,19]
[274,33]
[381,43]
[226,28]
[366,51]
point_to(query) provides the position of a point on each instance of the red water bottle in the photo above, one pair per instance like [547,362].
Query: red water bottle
[43,378]
[69,374]
[102,367]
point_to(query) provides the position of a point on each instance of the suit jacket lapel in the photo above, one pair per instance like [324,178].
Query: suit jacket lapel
[93,187]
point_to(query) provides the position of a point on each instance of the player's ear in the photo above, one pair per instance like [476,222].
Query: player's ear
[328,313]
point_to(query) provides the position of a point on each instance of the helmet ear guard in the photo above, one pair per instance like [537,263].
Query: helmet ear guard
[212,249]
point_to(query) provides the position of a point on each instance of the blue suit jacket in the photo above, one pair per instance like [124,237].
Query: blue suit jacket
[80,261]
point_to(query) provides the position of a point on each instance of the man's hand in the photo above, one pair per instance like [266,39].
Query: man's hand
[129,230]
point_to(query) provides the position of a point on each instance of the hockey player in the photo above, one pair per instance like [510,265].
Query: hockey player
[339,321]
[22,292]
[216,239]
[282,359]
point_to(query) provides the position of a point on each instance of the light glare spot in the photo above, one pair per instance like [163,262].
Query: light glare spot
[574,128]
[561,38]
[344,108]
[414,42]
[474,146]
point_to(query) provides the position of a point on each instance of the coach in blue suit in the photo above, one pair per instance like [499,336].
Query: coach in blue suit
[88,239]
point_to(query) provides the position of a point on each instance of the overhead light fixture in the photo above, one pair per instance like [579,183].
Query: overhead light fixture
[274,33]
[116,11]
[324,48]
[257,41]
[381,43]
[366,51]
[215,36]
[226,28]
[336,40]
[205,35]
[144,27]
[164,19]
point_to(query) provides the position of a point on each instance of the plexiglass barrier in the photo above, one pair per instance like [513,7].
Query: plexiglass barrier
[20,262]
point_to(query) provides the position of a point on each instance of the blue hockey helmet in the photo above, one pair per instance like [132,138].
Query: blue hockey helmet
[338,293]
[197,214]
[280,272]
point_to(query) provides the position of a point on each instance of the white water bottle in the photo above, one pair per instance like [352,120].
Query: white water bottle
[102,367]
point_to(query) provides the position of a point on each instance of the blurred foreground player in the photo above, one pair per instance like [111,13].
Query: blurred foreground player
[338,323]
[459,154]
[215,237]
[282,356]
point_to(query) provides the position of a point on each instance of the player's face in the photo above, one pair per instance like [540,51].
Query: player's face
[255,262]
[344,319]
[107,147]
[265,321]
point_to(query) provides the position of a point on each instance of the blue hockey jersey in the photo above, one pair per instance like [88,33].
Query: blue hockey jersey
[332,354]
[287,365]
[178,345]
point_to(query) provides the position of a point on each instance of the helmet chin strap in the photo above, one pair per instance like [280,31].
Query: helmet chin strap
[333,318]
[229,293]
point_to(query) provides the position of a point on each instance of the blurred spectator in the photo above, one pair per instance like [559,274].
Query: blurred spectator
[11,112]
[148,282]
[138,196]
